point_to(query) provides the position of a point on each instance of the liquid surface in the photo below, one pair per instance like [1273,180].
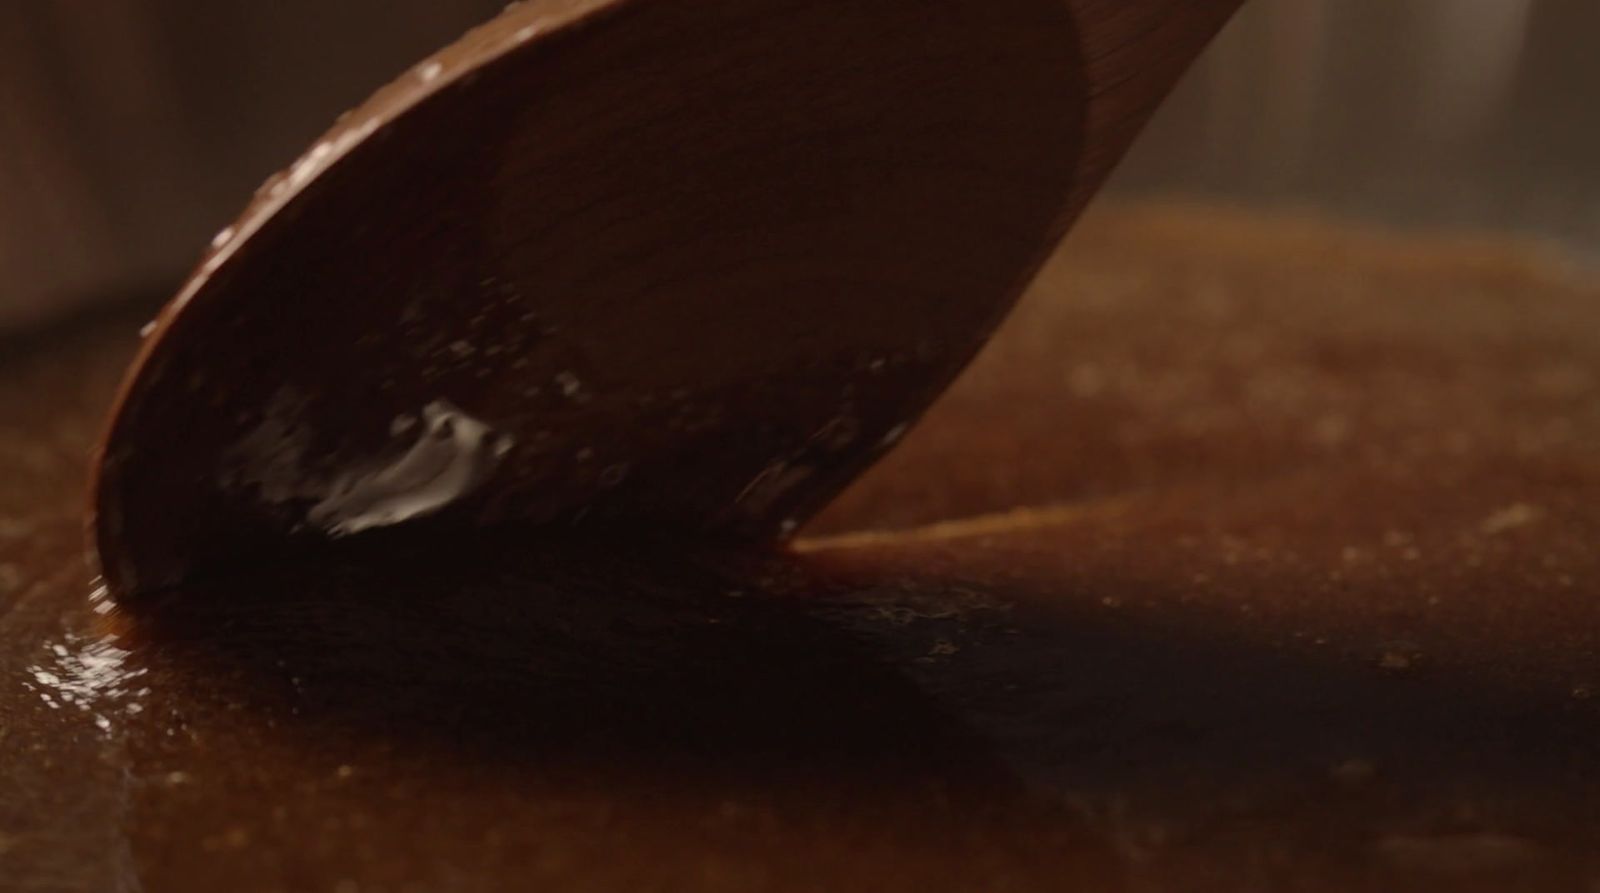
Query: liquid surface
[1251,555]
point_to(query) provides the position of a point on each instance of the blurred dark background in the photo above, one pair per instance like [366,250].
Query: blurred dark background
[130,130]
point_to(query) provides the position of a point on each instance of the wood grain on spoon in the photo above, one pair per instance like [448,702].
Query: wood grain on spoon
[676,266]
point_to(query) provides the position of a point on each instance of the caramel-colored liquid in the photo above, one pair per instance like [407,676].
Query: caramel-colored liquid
[1252,554]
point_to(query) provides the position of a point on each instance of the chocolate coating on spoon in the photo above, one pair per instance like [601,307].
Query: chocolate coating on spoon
[685,267]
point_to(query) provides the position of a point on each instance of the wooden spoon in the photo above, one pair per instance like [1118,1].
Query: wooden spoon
[669,267]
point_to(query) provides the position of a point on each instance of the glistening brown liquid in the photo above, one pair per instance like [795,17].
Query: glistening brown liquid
[1303,596]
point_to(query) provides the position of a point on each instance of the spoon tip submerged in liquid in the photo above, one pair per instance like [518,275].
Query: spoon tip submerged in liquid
[687,267]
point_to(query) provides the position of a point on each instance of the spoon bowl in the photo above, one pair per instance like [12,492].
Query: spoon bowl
[669,267]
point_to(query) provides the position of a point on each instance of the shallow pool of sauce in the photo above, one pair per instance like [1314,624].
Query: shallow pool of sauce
[1253,554]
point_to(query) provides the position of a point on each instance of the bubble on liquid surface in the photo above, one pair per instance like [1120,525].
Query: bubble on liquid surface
[1398,659]
[1511,517]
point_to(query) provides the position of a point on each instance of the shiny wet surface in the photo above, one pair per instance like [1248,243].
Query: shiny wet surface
[573,719]
[1266,561]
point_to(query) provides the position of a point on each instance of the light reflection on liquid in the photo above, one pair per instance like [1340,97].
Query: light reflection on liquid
[89,675]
